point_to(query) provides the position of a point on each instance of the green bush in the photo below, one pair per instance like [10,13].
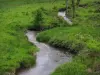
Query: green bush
[39,20]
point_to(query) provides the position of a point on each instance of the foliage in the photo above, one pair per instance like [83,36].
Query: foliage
[38,21]
[83,37]
[15,18]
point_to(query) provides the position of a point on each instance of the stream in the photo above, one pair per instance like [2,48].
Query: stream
[63,14]
[48,58]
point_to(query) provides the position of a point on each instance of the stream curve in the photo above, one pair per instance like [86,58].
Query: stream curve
[48,58]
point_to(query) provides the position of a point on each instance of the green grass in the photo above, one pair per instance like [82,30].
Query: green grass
[85,41]
[82,38]
[71,69]
[15,18]
[73,38]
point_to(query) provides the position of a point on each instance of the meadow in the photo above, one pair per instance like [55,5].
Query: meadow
[82,38]
[15,18]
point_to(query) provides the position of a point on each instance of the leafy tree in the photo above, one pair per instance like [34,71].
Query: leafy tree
[38,21]
[78,2]
[67,6]
[74,3]
[73,8]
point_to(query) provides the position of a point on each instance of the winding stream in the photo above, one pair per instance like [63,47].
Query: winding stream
[48,58]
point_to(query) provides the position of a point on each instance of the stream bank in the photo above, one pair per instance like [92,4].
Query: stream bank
[48,58]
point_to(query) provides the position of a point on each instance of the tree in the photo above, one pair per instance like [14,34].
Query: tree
[78,2]
[38,21]
[66,6]
[73,8]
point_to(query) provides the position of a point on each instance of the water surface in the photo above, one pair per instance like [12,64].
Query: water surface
[63,14]
[48,58]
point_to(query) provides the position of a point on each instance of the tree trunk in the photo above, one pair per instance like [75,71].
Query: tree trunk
[78,2]
[66,7]
[73,8]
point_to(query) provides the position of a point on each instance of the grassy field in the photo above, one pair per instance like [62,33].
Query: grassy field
[16,16]
[82,38]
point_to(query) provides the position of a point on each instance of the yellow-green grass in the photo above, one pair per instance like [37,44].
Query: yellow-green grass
[82,38]
[15,18]
[15,51]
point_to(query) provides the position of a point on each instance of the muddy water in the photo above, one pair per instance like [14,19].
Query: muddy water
[63,14]
[48,58]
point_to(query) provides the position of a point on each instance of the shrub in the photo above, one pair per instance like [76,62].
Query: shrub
[38,21]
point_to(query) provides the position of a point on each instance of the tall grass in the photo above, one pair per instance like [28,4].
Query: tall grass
[71,69]
[82,38]
[15,18]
